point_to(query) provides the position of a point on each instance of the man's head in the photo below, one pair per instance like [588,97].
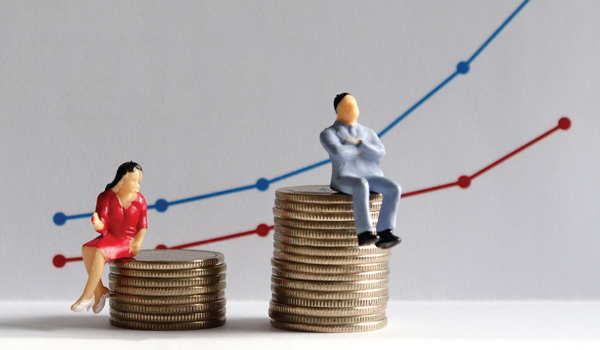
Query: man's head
[346,108]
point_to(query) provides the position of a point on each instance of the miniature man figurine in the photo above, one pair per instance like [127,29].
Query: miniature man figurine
[355,152]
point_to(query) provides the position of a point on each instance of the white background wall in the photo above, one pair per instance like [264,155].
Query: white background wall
[210,95]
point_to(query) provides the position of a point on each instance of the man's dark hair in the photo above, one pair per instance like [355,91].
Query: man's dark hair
[123,169]
[338,99]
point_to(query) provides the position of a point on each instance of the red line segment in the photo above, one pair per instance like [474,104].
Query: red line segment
[263,230]
[430,189]
[518,150]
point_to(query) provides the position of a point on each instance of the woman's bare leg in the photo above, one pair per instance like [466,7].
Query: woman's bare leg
[94,260]
[88,259]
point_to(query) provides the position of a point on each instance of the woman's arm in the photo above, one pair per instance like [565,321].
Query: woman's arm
[99,217]
[138,239]
[136,242]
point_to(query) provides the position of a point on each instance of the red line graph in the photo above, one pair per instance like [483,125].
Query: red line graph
[263,230]
[464,181]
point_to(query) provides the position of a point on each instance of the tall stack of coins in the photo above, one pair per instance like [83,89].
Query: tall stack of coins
[322,280]
[168,290]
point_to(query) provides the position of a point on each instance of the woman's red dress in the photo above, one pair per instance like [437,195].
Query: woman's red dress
[120,224]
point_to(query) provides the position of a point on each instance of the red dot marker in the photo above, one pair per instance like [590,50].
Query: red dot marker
[263,230]
[464,181]
[161,246]
[59,261]
[564,123]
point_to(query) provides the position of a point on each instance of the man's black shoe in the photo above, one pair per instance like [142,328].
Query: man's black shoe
[387,239]
[367,238]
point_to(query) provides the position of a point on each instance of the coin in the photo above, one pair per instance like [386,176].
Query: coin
[329,251]
[328,295]
[328,269]
[166,282]
[317,304]
[312,216]
[318,194]
[196,316]
[322,281]
[177,326]
[322,320]
[167,309]
[167,300]
[172,291]
[349,235]
[348,328]
[328,311]
[186,273]
[315,242]
[334,260]
[170,259]
[321,208]
[331,277]
[324,286]
[318,225]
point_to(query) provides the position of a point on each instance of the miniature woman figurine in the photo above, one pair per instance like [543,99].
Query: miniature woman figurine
[355,152]
[120,218]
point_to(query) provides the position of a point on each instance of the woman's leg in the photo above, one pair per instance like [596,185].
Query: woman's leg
[94,260]
[100,288]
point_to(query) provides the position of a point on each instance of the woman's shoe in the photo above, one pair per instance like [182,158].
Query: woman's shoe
[101,303]
[84,305]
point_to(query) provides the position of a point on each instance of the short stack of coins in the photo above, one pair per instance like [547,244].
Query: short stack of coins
[322,280]
[168,290]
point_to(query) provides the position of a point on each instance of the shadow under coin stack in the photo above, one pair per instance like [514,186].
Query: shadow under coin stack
[322,280]
[168,290]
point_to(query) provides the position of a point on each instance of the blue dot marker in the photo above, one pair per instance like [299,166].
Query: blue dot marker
[462,67]
[262,184]
[161,205]
[59,219]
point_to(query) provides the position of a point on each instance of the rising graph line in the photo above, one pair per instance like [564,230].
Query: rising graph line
[262,184]
[463,181]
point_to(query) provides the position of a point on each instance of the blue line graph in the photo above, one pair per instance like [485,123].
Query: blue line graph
[263,184]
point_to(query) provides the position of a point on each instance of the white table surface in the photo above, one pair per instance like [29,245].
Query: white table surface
[464,325]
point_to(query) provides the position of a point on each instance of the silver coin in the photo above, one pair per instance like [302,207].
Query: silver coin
[177,326]
[166,282]
[328,295]
[333,286]
[321,208]
[167,300]
[316,234]
[315,242]
[331,276]
[349,328]
[318,194]
[329,269]
[324,320]
[330,251]
[334,260]
[332,304]
[186,273]
[313,216]
[328,311]
[170,259]
[192,317]
[318,225]
[168,309]
[166,291]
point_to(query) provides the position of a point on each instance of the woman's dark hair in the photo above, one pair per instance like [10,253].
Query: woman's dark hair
[123,169]
[338,99]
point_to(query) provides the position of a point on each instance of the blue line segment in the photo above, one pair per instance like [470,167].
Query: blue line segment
[262,184]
